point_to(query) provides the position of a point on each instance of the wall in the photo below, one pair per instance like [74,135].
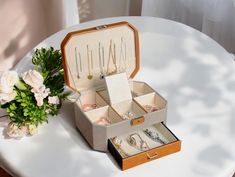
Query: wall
[95,9]
[24,24]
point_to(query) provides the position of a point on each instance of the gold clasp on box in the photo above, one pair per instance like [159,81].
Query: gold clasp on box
[101,27]
[137,121]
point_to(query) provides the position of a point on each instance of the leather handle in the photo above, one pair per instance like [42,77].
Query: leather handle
[152,156]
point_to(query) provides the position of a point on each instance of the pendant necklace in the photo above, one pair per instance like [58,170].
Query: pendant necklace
[101,61]
[80,61]
[113,56]
[90,64]
[122,57]
[76,59]
[75,86]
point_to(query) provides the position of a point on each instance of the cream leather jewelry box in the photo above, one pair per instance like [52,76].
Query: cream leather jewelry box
[115,113]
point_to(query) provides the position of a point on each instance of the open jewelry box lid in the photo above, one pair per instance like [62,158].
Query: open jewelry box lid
[104,50]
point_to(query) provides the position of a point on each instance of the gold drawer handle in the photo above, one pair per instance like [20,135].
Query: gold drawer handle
[152,157]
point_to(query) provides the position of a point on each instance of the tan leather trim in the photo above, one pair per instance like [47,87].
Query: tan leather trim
[137,121]
[150,155]
[94,29]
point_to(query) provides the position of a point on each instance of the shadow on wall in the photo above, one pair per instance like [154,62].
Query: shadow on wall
[31,22]
[94,9]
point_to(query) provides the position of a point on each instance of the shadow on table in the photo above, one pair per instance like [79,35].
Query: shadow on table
[68,122]
[194,81]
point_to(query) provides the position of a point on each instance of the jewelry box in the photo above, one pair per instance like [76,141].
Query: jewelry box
[114,113]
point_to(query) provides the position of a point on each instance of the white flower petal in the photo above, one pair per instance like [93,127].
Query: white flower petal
[33,78]
[7,80]
[53,100]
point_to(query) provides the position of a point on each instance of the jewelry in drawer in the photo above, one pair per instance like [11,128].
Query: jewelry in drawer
[144,145]
[113,112]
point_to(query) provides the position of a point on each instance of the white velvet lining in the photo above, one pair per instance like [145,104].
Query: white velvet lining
[137,89]
[118,88]
[104,95]
[92,41]
[101,98]
[162,131]
[140,88]
[106,111]
[91,97]
[152,99]
[128,106]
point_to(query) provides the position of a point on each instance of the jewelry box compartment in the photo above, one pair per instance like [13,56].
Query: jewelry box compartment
[103,116]
[91,99]
[137,89]
[140,88]
[128,109]
[99,124]
[151,102]
[104,94]
[141,146]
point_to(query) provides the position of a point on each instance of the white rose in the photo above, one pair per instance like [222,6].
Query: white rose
[40,93]
[7,80]
[33,78]
[13,131]
[53,100]
[39,100]
[7,97]
[32,129]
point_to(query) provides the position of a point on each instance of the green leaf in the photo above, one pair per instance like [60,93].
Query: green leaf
[11,114]
[22,94]
[20,85]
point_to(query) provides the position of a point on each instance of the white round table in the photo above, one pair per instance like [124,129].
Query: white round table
[194,73]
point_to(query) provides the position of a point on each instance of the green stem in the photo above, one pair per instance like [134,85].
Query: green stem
[4,116]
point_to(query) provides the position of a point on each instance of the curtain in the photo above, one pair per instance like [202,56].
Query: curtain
[216,18]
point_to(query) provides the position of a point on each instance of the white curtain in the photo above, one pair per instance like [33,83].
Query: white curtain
[216,18]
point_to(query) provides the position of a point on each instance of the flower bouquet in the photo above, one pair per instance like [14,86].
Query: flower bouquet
[29,99]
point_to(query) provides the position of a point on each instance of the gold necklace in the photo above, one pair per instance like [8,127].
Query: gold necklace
[113,56]
[122,57]
[90,65]
[101,61]
[76,59]
[75,87]
[80,61]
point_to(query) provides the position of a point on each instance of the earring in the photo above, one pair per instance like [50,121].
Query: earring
[128,115]
[150,108]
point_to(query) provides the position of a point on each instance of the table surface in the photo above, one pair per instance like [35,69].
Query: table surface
[194,73]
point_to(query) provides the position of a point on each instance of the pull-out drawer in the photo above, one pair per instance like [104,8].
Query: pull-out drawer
[142,146]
